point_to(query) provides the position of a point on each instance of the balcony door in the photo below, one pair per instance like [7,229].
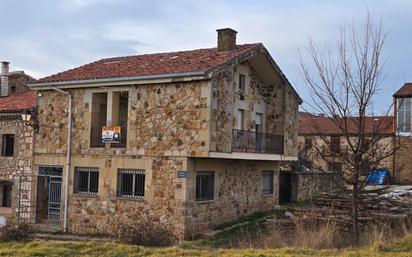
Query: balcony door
[259,131]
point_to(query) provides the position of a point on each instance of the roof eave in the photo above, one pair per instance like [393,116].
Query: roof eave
[145,79]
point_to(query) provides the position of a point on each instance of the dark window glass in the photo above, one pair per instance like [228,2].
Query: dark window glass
[6,202]
[205,182]
[335,166]
[130,183]
[242,83]
[267,182]
[308,142]
[7,145]
[86,180]
[335,144]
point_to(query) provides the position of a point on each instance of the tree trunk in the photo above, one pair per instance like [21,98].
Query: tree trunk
[355,213]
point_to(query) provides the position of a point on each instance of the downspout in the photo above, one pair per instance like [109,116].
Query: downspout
[68,158]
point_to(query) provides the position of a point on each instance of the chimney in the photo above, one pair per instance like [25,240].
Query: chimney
[4,87]
[226,39]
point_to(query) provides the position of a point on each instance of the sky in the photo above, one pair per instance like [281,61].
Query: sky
[44,37]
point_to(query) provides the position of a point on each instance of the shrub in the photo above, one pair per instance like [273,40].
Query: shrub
[146,233]
[15,232]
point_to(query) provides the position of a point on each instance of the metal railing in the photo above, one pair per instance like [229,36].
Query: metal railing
[96,138]
[253,142]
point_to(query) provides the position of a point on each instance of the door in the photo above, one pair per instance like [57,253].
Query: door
[285,187]
[258,130]
[49,192]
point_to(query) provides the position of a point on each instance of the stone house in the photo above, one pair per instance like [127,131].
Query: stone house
[199,138]
[16,140]
[402,102]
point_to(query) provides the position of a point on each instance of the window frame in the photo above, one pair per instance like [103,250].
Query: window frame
[7,202]
[271,189]
[89,171]
[308,142]
[135,174]
[242,83]
[404,114]
[210,196]
[331,164]
[5,143]
[335,142]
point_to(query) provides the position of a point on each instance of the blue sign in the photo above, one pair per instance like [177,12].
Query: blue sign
[182,174]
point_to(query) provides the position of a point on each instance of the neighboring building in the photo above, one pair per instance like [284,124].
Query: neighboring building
[202,134]
[318,155]
[403,115]
[16,140]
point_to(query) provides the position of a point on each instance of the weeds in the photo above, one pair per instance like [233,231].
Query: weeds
[15,232]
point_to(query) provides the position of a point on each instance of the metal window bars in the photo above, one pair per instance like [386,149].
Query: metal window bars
[131,183]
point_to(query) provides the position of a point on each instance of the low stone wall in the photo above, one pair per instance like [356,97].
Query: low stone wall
[306,185]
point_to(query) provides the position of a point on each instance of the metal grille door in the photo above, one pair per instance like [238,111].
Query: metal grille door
[54,205]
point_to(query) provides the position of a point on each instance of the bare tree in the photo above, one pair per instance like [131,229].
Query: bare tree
[343,82]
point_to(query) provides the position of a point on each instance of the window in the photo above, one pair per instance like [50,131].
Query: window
[267,182]
[308,142]
[241,119]
[335,144]
[130,183]
[205,183]
[6,189]
[335,166]
[86,180]
[242,83]
[404,115]
[7,145]
[112,106]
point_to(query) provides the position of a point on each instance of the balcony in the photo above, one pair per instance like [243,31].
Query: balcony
[253,142]
[96,138]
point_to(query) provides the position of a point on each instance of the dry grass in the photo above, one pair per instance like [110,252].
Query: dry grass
[69,249]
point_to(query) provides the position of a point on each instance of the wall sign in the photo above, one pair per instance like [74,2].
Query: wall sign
[111,134]
[182,174]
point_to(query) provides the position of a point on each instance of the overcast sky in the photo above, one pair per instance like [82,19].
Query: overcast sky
[43,37]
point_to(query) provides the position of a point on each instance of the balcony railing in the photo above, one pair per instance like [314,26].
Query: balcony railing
[253,142]
[96,138]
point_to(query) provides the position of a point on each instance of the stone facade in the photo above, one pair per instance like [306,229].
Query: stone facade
[171,127]
[277,103]
[319,148]
[403,164]
[19,165]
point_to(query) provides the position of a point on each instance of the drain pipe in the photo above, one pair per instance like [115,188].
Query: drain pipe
[68,157]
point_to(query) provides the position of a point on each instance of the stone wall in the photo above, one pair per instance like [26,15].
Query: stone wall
[403,163]
[237,193]
[19,165]
[164,120]
[276,102]
[307,185]
[320,154]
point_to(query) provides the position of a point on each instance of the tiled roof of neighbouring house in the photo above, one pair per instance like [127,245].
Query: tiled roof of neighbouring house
[316,125]
[404,91]
[201,60]
[18,102]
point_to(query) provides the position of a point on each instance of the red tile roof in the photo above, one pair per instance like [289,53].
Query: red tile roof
[201,60]
[316,125]
[404,91]
[18,102]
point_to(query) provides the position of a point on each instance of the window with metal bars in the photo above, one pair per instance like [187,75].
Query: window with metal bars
[267,182]
[130,183]
[86,180]
[205,181]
